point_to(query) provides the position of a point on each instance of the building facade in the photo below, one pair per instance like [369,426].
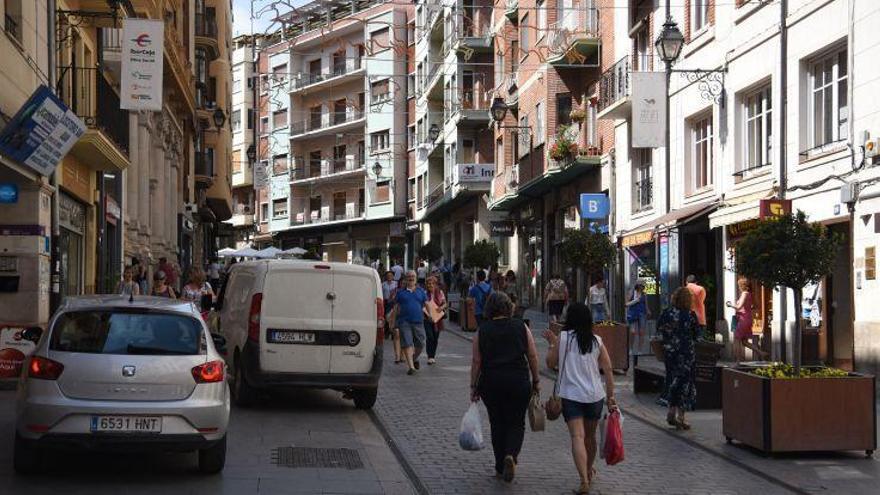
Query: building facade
[244,127]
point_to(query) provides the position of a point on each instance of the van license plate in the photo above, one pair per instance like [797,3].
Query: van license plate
[126,424]
[288,337]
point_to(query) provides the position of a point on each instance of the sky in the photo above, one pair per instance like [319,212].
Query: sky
[241,11]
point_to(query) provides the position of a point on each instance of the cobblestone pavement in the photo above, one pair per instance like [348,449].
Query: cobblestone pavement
[422,414]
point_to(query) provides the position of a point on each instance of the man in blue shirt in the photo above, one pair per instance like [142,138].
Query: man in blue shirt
[480,292]
[411,301]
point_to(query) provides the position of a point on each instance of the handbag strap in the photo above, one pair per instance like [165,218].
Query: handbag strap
[562,366]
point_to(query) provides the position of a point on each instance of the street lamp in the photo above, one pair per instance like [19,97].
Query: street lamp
[498,110]
[219,118]
[251,153]
[377,169]
[670,42]
[433,132]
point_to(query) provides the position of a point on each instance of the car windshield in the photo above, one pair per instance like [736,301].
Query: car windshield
[108,332]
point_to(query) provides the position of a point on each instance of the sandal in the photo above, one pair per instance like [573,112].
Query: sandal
[670,419]
[584,489]
[681,424]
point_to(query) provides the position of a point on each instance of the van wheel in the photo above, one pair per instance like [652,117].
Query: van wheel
[212,459]
[243,393]
[26,457]
[365,398]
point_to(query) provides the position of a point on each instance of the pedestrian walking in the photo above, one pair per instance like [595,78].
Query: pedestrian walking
[743,320]
[579,355]
[479,293]
[504,374]
[598,301]
[139,275]
[389,291]
[214,270]
[636,316]
[127,286]
[161,287]
[435,311]
[510,288]
[677,327]
[421,272]
[170,272]
[398,271]
[410,302]
[555,297]
[196,287]
[698,306]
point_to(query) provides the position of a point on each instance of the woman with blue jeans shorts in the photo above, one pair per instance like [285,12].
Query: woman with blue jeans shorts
[579,354]
[410,302]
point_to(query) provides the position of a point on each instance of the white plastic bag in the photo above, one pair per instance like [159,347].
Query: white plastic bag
[470,437]
[602,427]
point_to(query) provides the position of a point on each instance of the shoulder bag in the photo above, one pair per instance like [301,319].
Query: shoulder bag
[553,406]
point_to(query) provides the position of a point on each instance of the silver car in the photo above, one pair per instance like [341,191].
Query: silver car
[114,372]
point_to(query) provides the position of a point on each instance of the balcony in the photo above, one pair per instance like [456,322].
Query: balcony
[242,215]
[573,40]
[474,32]
[466,181]
[204,168]
[326,123]
[310,173]
[504,188]
[305,83]
[88,94]
[473,107]
[206,35]
[511,10]
[434,81]
[314,218]
[615,91]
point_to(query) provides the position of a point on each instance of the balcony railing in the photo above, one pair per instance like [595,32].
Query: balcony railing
[304,79]
[643,194]
[575,23]
[615,83]
[304,170]
[204,165]
[315,217]
[87,93]
[325,121]
[475,100]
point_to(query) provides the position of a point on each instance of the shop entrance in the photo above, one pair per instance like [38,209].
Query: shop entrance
[827,312]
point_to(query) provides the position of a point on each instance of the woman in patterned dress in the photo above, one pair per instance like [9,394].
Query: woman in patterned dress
[677,327]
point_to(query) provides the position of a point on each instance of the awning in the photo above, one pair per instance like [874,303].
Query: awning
[730,214]
[644,234]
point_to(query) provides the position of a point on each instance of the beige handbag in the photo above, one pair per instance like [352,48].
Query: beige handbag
[536,413]
[553,407]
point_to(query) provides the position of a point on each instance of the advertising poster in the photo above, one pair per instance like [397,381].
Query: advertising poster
[142,63]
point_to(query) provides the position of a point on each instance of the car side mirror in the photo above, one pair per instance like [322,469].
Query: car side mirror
[207,302]
[219,343]
[32,333]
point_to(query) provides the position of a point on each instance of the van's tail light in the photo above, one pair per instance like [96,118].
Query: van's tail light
[210,372]
[44,368]
[380,321]
[254,317]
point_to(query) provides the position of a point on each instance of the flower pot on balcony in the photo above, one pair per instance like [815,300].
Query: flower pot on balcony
[799,414]
[578,115]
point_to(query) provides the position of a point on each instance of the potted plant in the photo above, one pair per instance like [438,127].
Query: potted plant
[563,148]
[783,408]
[374,253]
[578,115]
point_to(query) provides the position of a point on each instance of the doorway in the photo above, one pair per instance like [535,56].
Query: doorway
[836,328]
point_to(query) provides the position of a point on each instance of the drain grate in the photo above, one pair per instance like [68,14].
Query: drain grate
[310,457]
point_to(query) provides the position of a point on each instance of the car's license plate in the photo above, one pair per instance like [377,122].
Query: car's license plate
[126,424]
[289,337]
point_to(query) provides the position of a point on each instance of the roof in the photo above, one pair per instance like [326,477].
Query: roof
[112,301]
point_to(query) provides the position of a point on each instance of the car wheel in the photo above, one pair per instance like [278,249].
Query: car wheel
[26,456]
[242,393]
[212,459]
[365,398]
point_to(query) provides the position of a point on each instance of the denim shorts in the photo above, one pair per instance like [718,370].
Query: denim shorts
[592,410]
[412,334]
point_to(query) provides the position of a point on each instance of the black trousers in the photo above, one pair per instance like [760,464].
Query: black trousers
[506,395]
[432,336]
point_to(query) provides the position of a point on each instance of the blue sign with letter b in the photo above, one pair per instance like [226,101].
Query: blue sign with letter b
[594,206]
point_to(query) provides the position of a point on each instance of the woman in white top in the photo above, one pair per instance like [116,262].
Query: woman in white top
[579,355]
[598,301]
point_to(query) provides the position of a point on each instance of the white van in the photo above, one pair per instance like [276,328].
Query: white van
[294,323]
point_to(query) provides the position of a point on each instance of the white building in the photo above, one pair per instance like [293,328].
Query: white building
[243,122]
[727,154]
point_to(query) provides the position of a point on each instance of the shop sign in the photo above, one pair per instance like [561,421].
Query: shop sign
[740,229]
[474,172]
[595,206]
[42,132]
[13,351]
[8,193]
[771,208]
[648,109]
[638,239]
[501,229]
[142,63]
[72,214]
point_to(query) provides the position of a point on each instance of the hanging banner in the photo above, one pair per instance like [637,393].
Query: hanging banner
[142,43]
[41,133]
[649,109]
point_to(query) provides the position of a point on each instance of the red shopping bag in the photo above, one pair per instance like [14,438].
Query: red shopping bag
[613,449]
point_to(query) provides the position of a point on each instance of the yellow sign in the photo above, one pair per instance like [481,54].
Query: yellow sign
[637,239]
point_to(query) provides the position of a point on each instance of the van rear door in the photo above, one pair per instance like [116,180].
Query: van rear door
[354,313]
[296,312]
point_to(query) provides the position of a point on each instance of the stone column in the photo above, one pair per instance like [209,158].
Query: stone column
[144,176]
[131,204]
[169,197]
[176,203]
[158,203]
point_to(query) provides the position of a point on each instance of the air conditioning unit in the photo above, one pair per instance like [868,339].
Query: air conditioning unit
[849,192]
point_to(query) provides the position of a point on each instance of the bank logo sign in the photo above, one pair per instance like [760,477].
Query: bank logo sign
[142,64]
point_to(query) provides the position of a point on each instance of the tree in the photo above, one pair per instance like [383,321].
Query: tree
[395,251]
[791,252]
[588,249]
[431,251]
[481,254]
[374,252]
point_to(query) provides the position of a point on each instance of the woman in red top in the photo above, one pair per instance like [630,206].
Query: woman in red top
[744,319]
[432,328]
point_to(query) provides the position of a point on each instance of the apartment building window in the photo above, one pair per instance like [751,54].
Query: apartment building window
[379,40]
[236,85]
[279,164]
[279,208]
[315,207]
[411,137]
[339,158]
[12,19]
[380,91]
[524,34]
[236,161]
[380,141]
[264,125]
[411,33]
[541,17]
[339,62]
[539,123]
[420,193]
[279,74]
[411,190]
[279,118]
[264,212]
[382,192]
[514,56]
[339,205]
[264,83]
[700,153]
[410,85]
[699,14]
[828,105]
[758,130]
[235,121]
[524,137]
[563,109]
[643,191]
[642,55]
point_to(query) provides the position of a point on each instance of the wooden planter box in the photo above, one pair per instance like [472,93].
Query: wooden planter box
[800,415]
[616,340]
